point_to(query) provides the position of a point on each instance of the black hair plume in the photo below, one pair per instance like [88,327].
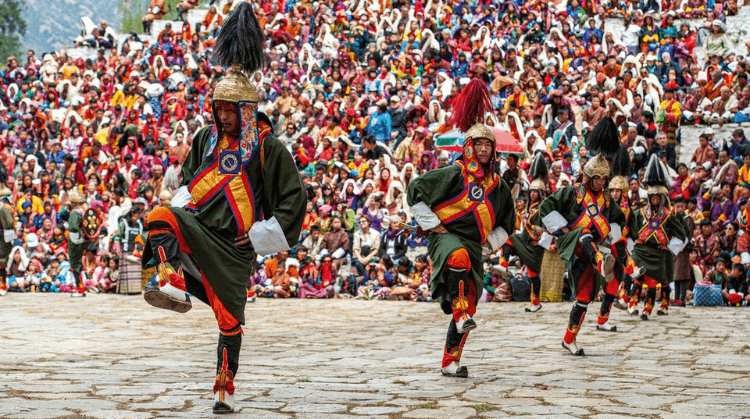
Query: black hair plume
[621,164]
[241,41]
[538,168]
[604,138]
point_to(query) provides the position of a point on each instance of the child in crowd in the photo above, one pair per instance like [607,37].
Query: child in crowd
[734,286]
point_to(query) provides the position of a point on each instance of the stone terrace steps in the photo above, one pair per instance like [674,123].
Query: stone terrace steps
[194,16]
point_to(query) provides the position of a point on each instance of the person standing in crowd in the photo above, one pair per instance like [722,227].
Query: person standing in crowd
[683,267]
[463,205]
[129,231]
[366,245]
[380,123]
[8,224]
[255,177]
[82,234]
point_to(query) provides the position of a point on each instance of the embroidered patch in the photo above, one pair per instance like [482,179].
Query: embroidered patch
[476,192]
[229,162]
[653,224]
[593,210]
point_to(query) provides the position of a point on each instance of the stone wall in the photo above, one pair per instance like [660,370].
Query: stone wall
[690,133]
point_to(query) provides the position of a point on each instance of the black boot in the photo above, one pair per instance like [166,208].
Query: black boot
[228,353]
[577,314]
[457,283]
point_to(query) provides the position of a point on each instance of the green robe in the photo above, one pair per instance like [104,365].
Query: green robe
[659,263]
[564,202]
[7,222]
[438,186]
[75,251]
[211,231]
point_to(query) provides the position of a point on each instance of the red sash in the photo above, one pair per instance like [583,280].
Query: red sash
[654,228]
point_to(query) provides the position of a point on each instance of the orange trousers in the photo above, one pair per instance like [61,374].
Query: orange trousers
[228,325]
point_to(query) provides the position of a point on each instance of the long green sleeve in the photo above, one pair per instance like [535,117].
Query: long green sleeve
[434,187]
[506,217]
[283,189]
[558,201]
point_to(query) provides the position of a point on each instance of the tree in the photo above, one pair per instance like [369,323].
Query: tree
[12,28]
[131,12]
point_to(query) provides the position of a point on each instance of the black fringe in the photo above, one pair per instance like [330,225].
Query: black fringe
[656,174]
[604,138]
[241,41]
[538,168]
[621,163]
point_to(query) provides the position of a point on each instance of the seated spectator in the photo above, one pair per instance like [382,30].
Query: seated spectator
[320,281]
[393,240]
[734,288]
[336,243]
[366,245]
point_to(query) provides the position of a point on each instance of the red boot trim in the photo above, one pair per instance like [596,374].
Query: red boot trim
[572,331]
[454,354]
[648,308]
[167,274]
[460,304]
[224,380]
[664,304]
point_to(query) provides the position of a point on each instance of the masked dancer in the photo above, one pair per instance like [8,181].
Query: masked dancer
[241,197]
[463,206]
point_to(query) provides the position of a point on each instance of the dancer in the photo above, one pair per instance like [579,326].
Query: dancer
[624,274]
[235,174]
[8,225]
[530,243]
[463,206]
[659,235]
[584,218]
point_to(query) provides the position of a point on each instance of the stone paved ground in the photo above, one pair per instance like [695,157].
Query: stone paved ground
[116,357]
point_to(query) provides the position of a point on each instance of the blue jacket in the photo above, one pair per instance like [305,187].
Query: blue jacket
[380,126]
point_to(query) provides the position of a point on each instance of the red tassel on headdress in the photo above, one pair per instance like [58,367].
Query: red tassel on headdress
[471,105]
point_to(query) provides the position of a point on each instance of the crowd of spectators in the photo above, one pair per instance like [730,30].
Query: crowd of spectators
[359,91]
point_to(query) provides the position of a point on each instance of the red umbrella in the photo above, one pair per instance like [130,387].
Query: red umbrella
[506,143]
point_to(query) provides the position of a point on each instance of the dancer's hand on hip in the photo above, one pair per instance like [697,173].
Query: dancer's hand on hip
[440,229]
[243,240]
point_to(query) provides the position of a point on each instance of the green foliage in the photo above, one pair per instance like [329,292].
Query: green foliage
[12,28]
[133,10]
[171,6]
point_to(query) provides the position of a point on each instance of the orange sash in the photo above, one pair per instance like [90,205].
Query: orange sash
[472,199]
[591,217]
[209,183]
